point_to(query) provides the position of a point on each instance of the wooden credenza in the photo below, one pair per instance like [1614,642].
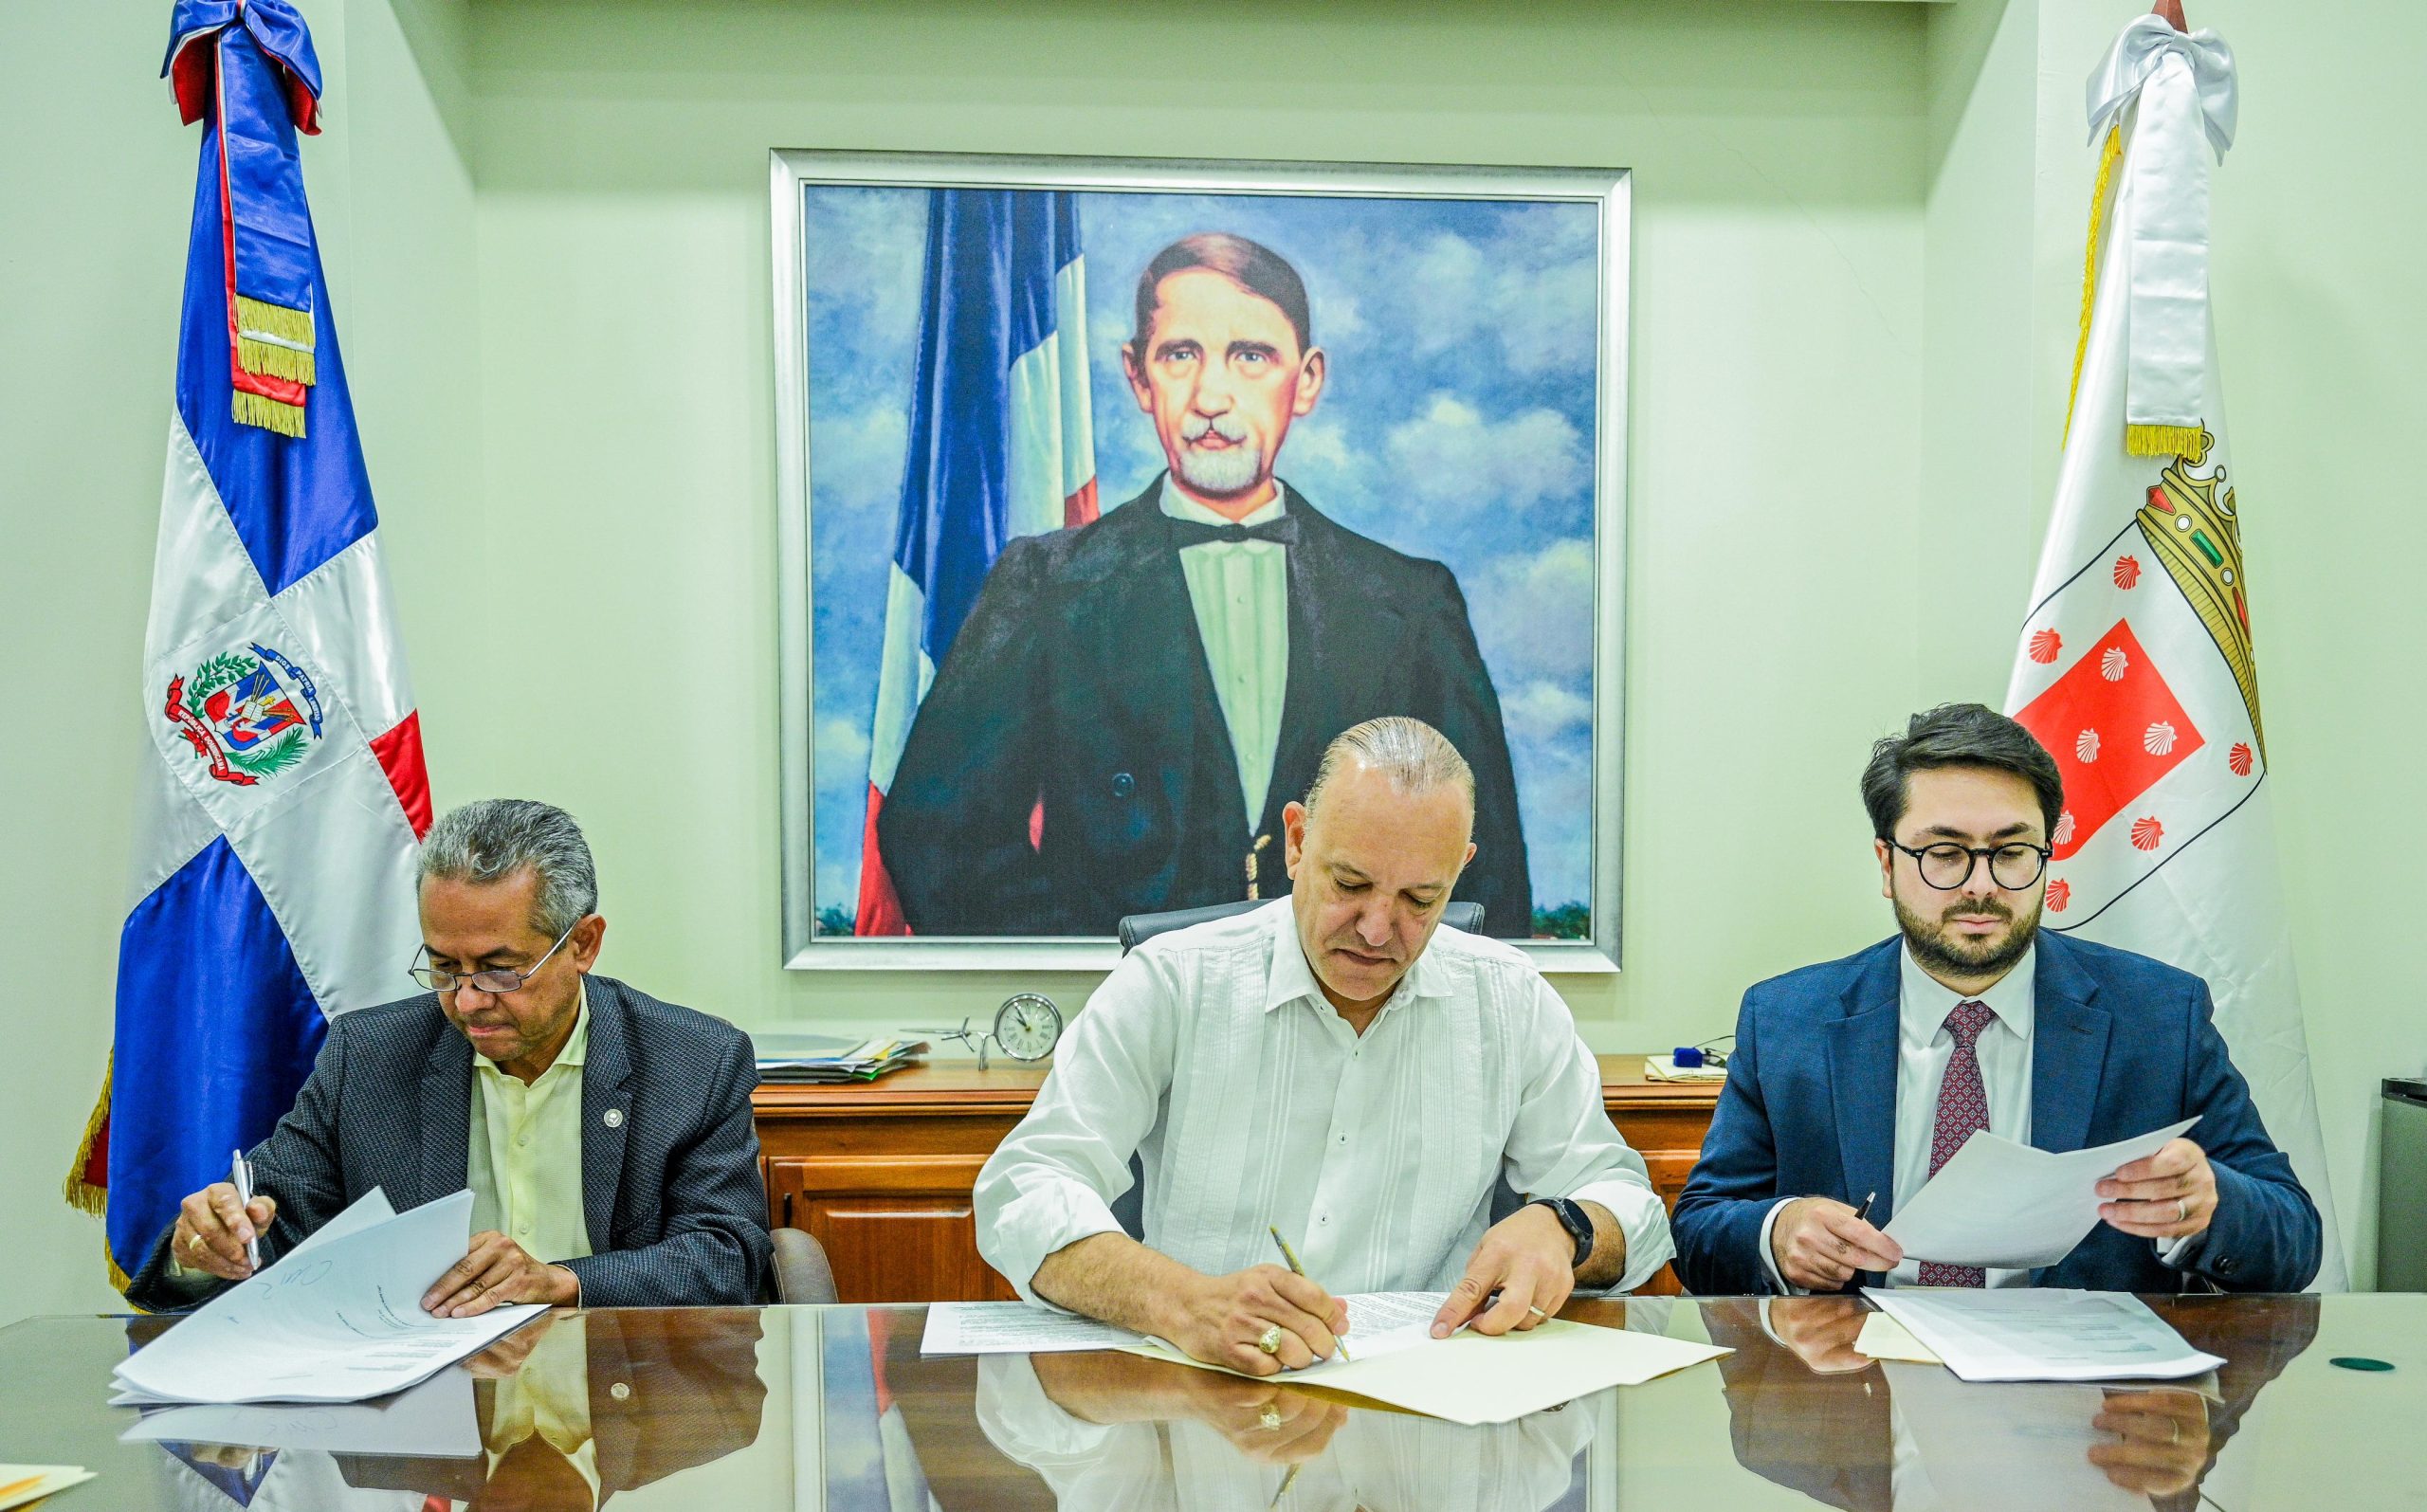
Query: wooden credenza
[882,1172]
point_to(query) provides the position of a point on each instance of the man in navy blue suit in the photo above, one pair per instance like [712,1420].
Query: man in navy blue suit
[1855,1079]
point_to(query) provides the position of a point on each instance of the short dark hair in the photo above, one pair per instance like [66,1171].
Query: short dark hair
[1251,266]
[1957,735]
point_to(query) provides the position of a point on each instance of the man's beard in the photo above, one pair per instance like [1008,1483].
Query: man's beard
[1942,952]
[1234,469]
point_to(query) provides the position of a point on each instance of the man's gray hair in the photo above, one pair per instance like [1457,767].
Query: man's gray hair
[1414,756]
[494,838]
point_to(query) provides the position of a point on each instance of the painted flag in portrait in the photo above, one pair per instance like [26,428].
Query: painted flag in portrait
[282,804]
[2135,667]
[1002,444]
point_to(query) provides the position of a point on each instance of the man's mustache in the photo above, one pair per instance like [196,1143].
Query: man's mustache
[1194,427]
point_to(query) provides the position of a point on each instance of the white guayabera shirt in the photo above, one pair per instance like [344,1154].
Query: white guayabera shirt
[1212,1054]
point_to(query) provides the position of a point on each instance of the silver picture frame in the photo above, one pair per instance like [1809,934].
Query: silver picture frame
[793,172]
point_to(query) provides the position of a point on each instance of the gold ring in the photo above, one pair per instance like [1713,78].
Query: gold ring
[2181,1211]
[2174,1431]
[1539,1316]
[1271,1421]
[1270,1340]
[193,1242]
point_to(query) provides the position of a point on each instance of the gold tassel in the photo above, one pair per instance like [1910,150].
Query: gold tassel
[2106,158]
[278,361]
[82,1194]
[254,410]
[274,319]
[2165,441]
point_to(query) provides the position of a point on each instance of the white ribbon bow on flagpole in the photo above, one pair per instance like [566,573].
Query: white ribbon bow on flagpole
[2184,86]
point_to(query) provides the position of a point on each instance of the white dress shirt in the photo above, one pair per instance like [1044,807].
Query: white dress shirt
[1212,1054]
[1240,591]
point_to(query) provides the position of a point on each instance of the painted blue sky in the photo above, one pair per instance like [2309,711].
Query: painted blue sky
[1457,424]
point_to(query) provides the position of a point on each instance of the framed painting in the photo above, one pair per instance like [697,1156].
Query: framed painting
[1112,490]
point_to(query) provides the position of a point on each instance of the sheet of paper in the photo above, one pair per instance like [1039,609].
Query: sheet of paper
[2037,1333]
[1884,1338]
[21,1483]
[434,1420]
[2007,1205]
[1013,1328]
[1469,1378]
[336,1321]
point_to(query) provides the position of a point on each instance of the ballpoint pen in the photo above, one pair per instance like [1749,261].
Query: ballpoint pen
[240,1171]
[1291,1256]
[1862,1214]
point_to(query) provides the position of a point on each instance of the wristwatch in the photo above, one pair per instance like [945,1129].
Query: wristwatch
[1573,1218]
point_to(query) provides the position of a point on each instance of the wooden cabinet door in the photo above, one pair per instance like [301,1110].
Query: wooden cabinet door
[896,1230]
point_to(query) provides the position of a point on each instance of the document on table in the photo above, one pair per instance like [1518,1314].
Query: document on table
[21,1483]
[1014,1328]
[2040,1334]
[1884,1338]
[336,1320]
[2007,1205]
[1470,1377]
[434,1420]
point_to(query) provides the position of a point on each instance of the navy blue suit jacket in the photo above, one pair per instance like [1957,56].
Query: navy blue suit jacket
[2121,1045]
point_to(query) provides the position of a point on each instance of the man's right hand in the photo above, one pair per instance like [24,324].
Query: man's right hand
[1219,1319]
[1819,1243]
[212,1229]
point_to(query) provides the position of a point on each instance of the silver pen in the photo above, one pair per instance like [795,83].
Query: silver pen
[240,1171]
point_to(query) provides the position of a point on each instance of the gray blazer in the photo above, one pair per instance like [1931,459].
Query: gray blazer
[669,1157]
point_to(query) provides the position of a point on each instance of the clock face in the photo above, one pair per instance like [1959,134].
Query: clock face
[1026,1026]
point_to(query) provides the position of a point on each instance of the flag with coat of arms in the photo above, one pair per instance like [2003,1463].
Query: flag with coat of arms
[2136,668]
[1002,443]
[284,797]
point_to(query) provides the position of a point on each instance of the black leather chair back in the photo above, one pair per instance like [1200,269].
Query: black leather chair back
[1138,928]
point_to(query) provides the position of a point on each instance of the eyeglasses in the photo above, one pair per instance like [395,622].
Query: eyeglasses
[495,980]
[1948,865]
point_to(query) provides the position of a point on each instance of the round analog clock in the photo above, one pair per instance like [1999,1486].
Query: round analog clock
[1026,1027]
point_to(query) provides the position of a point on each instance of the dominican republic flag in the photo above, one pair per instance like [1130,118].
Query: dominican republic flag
[278,816]
[2135,667]
[1002,444]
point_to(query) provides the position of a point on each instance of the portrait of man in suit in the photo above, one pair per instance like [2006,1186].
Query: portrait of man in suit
[1131,702]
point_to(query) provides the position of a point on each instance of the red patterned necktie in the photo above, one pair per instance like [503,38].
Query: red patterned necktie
[1962,1107]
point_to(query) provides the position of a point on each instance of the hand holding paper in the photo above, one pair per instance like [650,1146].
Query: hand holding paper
[2006,1205]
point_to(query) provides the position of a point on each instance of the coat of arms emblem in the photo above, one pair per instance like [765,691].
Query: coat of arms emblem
[250,717]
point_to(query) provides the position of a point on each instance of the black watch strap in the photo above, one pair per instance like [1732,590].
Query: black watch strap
[1578,1223]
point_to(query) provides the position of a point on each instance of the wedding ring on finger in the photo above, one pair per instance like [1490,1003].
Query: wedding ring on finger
[1270,1340]
[193,1242]
[1539,1316]
[2181,1210]
[1271,1421]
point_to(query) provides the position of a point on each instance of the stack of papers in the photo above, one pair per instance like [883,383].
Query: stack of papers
[1661,1068]
[1464,1378]
[337,1318]
[2043,1334]
[21,1483]
[2006,1205]
[804,1058]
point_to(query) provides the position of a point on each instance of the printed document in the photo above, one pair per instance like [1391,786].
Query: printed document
[2042,1334]
[336,1320]
[2006,1205]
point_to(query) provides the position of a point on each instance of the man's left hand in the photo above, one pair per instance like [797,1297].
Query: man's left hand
[494,1272]
[1529,1258]
[2170,1195]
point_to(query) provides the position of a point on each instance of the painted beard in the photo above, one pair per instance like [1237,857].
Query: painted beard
[1942,951]
[1233,470]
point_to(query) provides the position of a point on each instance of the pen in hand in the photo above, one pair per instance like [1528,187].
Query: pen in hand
[240,1172]
[1298,1270]
[1862,1214]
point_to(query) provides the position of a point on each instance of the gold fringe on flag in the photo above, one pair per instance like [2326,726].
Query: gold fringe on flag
[278,361]
[274,319]
[2165,441]
[80,1194]
[254,410]
[2107,159]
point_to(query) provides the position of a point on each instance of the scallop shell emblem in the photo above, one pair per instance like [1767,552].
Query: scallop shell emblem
[2085,747]
[2127,571]
[2060,892]
[2238,758]
[2146,832]
[2045,644]
[2113,664]
[2157,739]
[2065,830]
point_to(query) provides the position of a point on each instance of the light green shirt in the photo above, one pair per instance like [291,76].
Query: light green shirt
[1240,591]
[524,1160]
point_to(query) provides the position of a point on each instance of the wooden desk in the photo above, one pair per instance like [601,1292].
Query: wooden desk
[882,1172]
[783,1408]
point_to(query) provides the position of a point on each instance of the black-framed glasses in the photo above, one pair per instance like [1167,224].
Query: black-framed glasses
[495,980]
[1948,865]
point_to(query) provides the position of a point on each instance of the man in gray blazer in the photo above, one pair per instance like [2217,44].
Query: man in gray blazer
[606,1137]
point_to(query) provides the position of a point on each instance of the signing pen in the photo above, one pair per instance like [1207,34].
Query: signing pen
[240,1171]
[1291,1256]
